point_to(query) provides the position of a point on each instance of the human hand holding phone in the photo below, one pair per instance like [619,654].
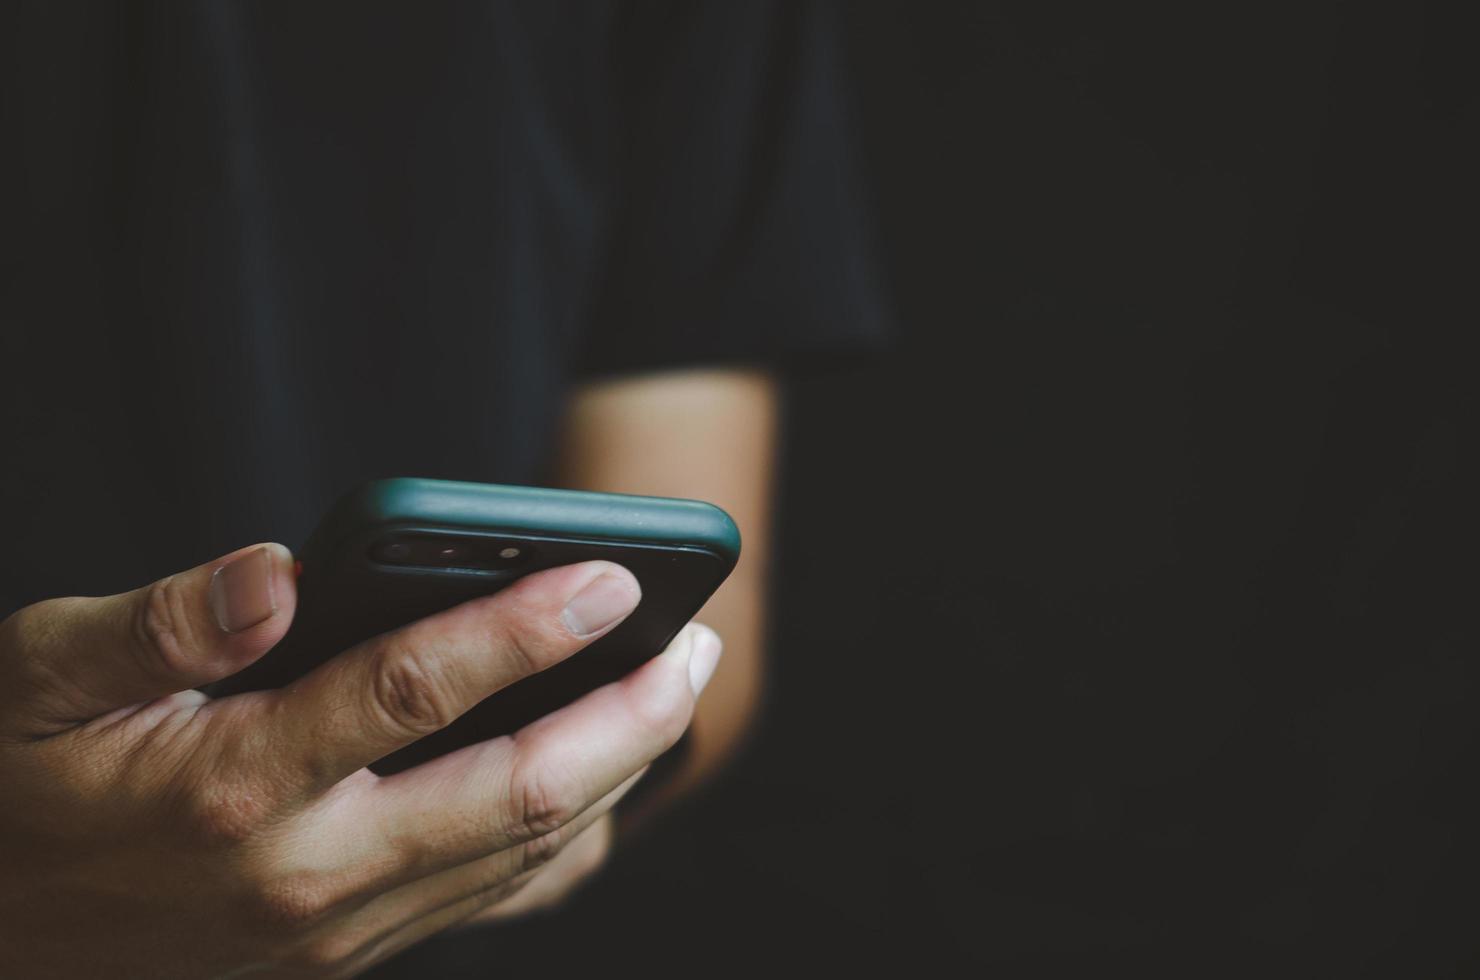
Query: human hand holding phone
[149,830]
[393,551]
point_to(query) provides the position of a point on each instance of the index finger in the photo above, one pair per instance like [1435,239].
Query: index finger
[391,690]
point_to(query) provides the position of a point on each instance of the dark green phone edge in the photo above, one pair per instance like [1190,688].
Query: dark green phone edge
[578,514]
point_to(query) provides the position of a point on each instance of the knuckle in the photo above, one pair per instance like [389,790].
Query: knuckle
[540,851]
[532,646]
[288,904]
[528,650]
[543,803]
[225,815]
[163,628]
[409,694]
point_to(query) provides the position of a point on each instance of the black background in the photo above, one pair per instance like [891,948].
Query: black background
[1122,609]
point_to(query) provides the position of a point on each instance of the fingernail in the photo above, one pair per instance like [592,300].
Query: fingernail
[604,600]
[241,591]
[703,658]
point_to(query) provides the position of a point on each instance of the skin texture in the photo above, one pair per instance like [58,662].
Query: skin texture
[243,837]
[708,435]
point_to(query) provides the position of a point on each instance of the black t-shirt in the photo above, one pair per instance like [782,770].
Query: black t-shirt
[257,253]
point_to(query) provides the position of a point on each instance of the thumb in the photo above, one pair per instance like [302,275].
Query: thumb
[64,661]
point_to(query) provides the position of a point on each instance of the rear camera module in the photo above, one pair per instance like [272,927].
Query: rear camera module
[475,553]
[393,552]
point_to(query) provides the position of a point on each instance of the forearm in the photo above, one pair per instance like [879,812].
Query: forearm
[708,435]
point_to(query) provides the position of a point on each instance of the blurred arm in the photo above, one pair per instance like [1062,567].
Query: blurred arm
[709,435]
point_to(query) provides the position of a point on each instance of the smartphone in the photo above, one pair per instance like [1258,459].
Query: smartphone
[397,550]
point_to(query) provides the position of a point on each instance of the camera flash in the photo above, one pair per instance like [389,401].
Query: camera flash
[509,553]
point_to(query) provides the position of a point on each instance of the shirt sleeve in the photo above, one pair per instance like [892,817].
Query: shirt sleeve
[740,232]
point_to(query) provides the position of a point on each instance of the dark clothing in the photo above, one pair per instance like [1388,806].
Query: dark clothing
[256,254]
[259,253]
[1173,663]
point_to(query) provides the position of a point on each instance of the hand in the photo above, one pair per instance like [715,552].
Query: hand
[150,831]
[558,880]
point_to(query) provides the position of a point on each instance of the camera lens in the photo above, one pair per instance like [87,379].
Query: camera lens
[452,552]
[392,552]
